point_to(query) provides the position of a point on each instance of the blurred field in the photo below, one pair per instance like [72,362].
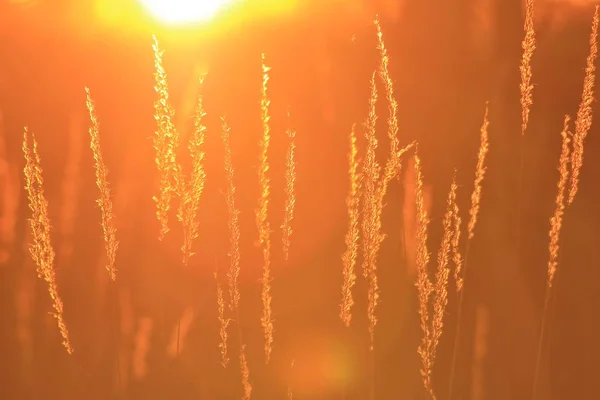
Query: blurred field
[446,62]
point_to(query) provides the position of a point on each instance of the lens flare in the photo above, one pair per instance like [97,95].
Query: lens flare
[184,11]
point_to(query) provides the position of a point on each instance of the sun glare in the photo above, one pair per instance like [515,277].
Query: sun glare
[184,11]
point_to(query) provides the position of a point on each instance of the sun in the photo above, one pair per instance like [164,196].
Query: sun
[184,11]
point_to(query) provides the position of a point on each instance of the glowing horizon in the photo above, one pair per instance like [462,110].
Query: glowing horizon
[184,11]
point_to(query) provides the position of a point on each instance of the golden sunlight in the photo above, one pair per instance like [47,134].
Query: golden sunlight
[184,11]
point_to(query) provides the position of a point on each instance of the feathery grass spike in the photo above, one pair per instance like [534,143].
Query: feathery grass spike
[41,248]
[554,233]
[233,222]
[193,189]
[105,201]
[353,234]
[375,186]
[290,191]
[165,143]
[460,265]
[223,323]
[262,221]
[245,374]
[528,45]
[441,284]
[371,232]
[376,180]
[234,255]
[584,113]
[424,285]
[479,174]
[456,226]
[556,221]
[392,167]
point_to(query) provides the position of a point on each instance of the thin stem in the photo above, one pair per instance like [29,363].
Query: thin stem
[115,326]
[538,361]
[459,313]
[178,334]
[371,364]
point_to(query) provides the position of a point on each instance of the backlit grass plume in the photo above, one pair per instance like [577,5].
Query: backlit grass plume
[584,113]
[165,143]
[371,231]
[392,166]
[433,325]
[262,222]
[556,221]
[375,187]
[234,256]
[41,248]
[245,374]
[104,201]
[460,265]
[290,191]
[353,234]
[424,285]
[192,189]
[457,258]
[554,236]
[377,179]
[223,323]
[529,45]
[233,223]
[479,174]
[440,300]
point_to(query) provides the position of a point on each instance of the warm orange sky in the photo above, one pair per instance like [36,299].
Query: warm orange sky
[446,61]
